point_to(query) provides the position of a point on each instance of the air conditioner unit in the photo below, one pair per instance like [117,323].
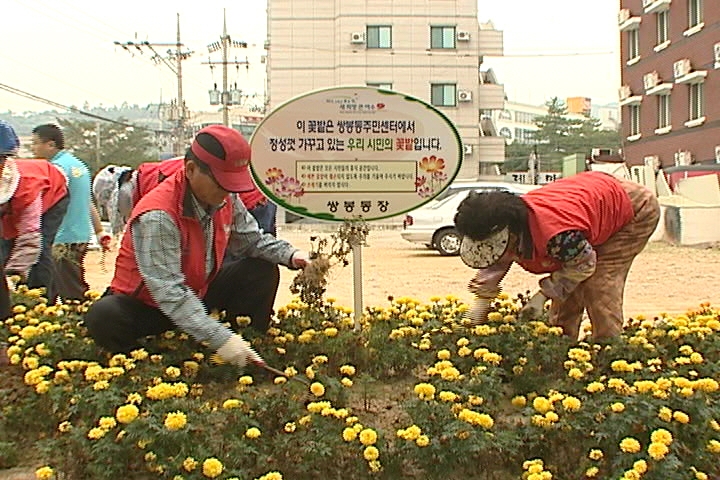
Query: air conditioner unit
[464,96]
[716,49]
[463,36]
[623,16]
[717,153]
[468,149]
[624,92]
[683,158]
[357,37]
[681,68]
[650,80]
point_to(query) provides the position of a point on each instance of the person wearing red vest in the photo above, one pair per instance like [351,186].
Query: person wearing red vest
[169,271]
[584,231]
[136,184]
[33,201]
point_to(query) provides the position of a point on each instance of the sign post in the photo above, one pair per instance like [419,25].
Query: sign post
[354,153]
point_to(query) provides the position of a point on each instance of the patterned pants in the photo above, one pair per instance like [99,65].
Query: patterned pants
[602,294]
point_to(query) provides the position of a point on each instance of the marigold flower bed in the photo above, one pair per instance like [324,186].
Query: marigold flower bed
[508,399]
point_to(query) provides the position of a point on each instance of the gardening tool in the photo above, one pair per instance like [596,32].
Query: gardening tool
[280,373]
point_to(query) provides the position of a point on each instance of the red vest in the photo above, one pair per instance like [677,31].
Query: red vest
[36,176]
[151,174]
[172,196]
[593,202]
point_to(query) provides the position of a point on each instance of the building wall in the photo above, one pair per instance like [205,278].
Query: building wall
[309,47]
[700,140]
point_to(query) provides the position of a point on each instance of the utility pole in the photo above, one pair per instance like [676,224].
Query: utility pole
[226,97]
[178,111]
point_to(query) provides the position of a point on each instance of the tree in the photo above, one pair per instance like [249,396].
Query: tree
[102,143]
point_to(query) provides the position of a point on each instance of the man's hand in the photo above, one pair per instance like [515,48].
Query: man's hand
[104,239]
[300,259]
[534,307]
[239,352]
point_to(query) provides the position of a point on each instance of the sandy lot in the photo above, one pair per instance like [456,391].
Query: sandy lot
[664,278]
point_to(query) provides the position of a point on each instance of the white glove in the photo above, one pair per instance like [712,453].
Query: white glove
[300,259]
[236,350]
[479,311]
[534,307]
[11,285]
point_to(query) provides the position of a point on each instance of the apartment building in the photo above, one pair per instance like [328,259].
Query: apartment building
[432,50]
[670,61]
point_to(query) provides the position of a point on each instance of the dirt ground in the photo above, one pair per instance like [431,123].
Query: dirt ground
[664,278]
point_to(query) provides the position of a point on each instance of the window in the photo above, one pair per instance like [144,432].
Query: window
[442,37]
[634,111]
[663,113]
[384,86]
[443,94]
[697,109]
[695,14]
[662,27]
[505,115]
[379,37]
[633,44]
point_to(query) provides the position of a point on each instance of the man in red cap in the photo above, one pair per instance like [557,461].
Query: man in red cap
[169,271]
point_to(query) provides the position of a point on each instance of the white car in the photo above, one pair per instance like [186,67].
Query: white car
[432,224]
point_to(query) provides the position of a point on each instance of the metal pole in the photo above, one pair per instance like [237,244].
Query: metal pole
[97,145]
[357,283]
[225,96]
[180,134]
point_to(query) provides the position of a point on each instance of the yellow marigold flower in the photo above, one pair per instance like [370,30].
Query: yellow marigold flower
[101,385]
[320,359]
[189,464]
[310,373]
[658,450]
[475,400]
[134,398]
[595,387]
[464,352]
[96,433]
[542,405]
[348,370]
[349,434]
[173,372]
[640,466]
[139,354]
[106,423]
[592,472]
[331,332]
[368,437]
[665,414]
[571,404]
[446,396]
[44,473]
[317,389]
[253,433]
[245,380]
[630,445]
[290,427]
[271,476]
[595,454]
[127,413]
[631,475]
[519,401]
[714,425]
[699,475]
[64,427]
[175,420]
[661,436]
[422,441]
[713,446]
[212,467]
[346,382]
[425,391]
[681,417]
[371,453]
[617,407]
[576,374]
[443,355]
[279,380]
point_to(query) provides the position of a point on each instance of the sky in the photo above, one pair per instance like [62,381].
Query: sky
[64,50]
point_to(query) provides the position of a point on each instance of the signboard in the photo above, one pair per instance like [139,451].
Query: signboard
[354,152]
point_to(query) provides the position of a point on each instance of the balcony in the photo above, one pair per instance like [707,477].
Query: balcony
[491,149]
[656,6]
[490,41]
[491,96]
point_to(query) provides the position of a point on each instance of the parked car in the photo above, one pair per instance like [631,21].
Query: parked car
[432,224]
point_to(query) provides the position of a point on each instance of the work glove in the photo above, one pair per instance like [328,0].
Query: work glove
[10,283]
[300,259]
[534,307]
[478,312]
[104,239]
[239,352]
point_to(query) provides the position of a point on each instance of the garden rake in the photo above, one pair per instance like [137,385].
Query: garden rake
[215,358]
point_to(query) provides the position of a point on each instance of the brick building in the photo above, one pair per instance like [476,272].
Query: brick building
[670,64]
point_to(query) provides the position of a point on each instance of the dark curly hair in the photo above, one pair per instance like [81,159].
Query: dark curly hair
[484,213]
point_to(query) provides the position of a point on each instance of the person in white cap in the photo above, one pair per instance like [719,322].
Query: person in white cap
[33,201]
[584,231]
[74,233]
[169,271]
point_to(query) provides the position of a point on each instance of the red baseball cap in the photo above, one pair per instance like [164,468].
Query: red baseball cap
[227,153]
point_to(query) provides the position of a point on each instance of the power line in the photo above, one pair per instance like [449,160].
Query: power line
[53,103]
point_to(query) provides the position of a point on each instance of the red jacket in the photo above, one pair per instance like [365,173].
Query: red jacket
[151,174]
[593,202]
[36,176]
[173,197]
